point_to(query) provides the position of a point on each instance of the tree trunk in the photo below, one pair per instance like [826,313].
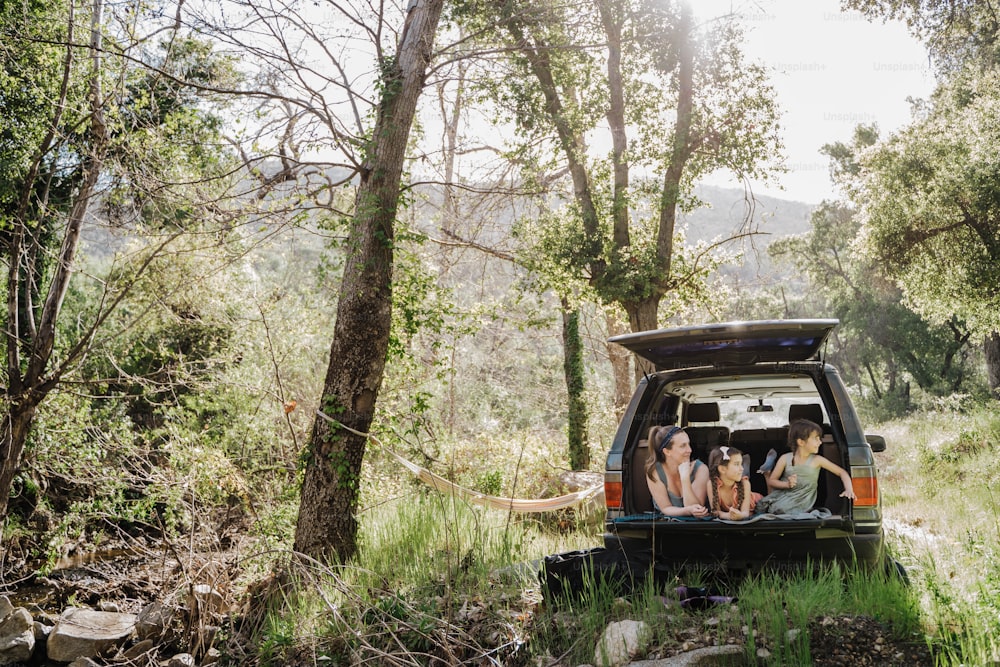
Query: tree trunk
[874,381]
[327,524]
[571,139]
[619,358]
[991,348]
[30,377]
[611,19]
[680,155]
[642,317]
[449,148]
[579,451]
[14,433]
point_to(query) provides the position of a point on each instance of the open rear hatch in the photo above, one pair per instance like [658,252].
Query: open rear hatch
[729,343]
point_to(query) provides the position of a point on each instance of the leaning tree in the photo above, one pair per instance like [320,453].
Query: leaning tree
[99,125]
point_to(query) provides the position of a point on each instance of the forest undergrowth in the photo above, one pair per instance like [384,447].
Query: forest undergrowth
[441,580]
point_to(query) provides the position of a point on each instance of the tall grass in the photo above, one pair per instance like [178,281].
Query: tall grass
[942,519]
[778,610]
[435,579]
[438,580]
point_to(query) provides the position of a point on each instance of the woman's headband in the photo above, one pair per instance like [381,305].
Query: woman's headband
[674,430]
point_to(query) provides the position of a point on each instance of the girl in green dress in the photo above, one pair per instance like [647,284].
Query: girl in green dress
[795,477]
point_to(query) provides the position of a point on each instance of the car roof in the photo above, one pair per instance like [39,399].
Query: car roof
[730,343]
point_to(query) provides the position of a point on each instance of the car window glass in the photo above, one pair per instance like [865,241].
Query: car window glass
[735,413]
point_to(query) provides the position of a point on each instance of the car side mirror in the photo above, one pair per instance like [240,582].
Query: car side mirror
[876,442]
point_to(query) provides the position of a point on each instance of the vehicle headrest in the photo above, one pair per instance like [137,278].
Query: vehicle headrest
[703,412]
[811,411]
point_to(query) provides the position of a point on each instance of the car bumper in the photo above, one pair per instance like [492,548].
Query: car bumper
[731,546]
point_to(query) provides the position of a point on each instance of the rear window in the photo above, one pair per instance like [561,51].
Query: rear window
[746,414]
[748,401]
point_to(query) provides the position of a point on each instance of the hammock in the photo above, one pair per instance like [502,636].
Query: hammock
[441,484]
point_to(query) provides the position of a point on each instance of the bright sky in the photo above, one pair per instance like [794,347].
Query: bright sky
[832,71]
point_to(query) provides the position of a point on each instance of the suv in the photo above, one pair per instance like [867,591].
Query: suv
[740,384]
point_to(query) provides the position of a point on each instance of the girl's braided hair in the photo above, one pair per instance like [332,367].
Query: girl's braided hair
[719,456]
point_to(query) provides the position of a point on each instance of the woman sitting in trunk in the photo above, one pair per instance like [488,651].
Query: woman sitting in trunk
[677,484]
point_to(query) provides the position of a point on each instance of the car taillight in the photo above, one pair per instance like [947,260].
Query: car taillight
[613,495]
[865,486]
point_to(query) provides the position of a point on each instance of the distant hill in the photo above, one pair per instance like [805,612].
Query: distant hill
[727,209]
[723,215]
[726,214]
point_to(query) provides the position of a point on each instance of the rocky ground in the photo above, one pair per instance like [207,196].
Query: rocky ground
[120,583]
[127,579]
[858,641]
[834,641]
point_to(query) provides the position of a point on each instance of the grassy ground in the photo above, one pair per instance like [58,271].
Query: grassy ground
[937,480]
[444,581]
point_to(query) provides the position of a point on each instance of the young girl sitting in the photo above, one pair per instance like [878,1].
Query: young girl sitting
[729,494]
[795,477]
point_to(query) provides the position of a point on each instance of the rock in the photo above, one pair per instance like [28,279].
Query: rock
[85,633]
[578,480]
[41,631]
[105,605]
[5,607]
[83,662]
[152,622]
[141,648]
[212,656]
[17,636]
[714,655]
[621,642]
[182,660]
[710,656]
[203,638]
[206,600]
[575,481]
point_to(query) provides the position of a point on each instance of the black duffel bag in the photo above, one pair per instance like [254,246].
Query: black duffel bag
[570,573]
